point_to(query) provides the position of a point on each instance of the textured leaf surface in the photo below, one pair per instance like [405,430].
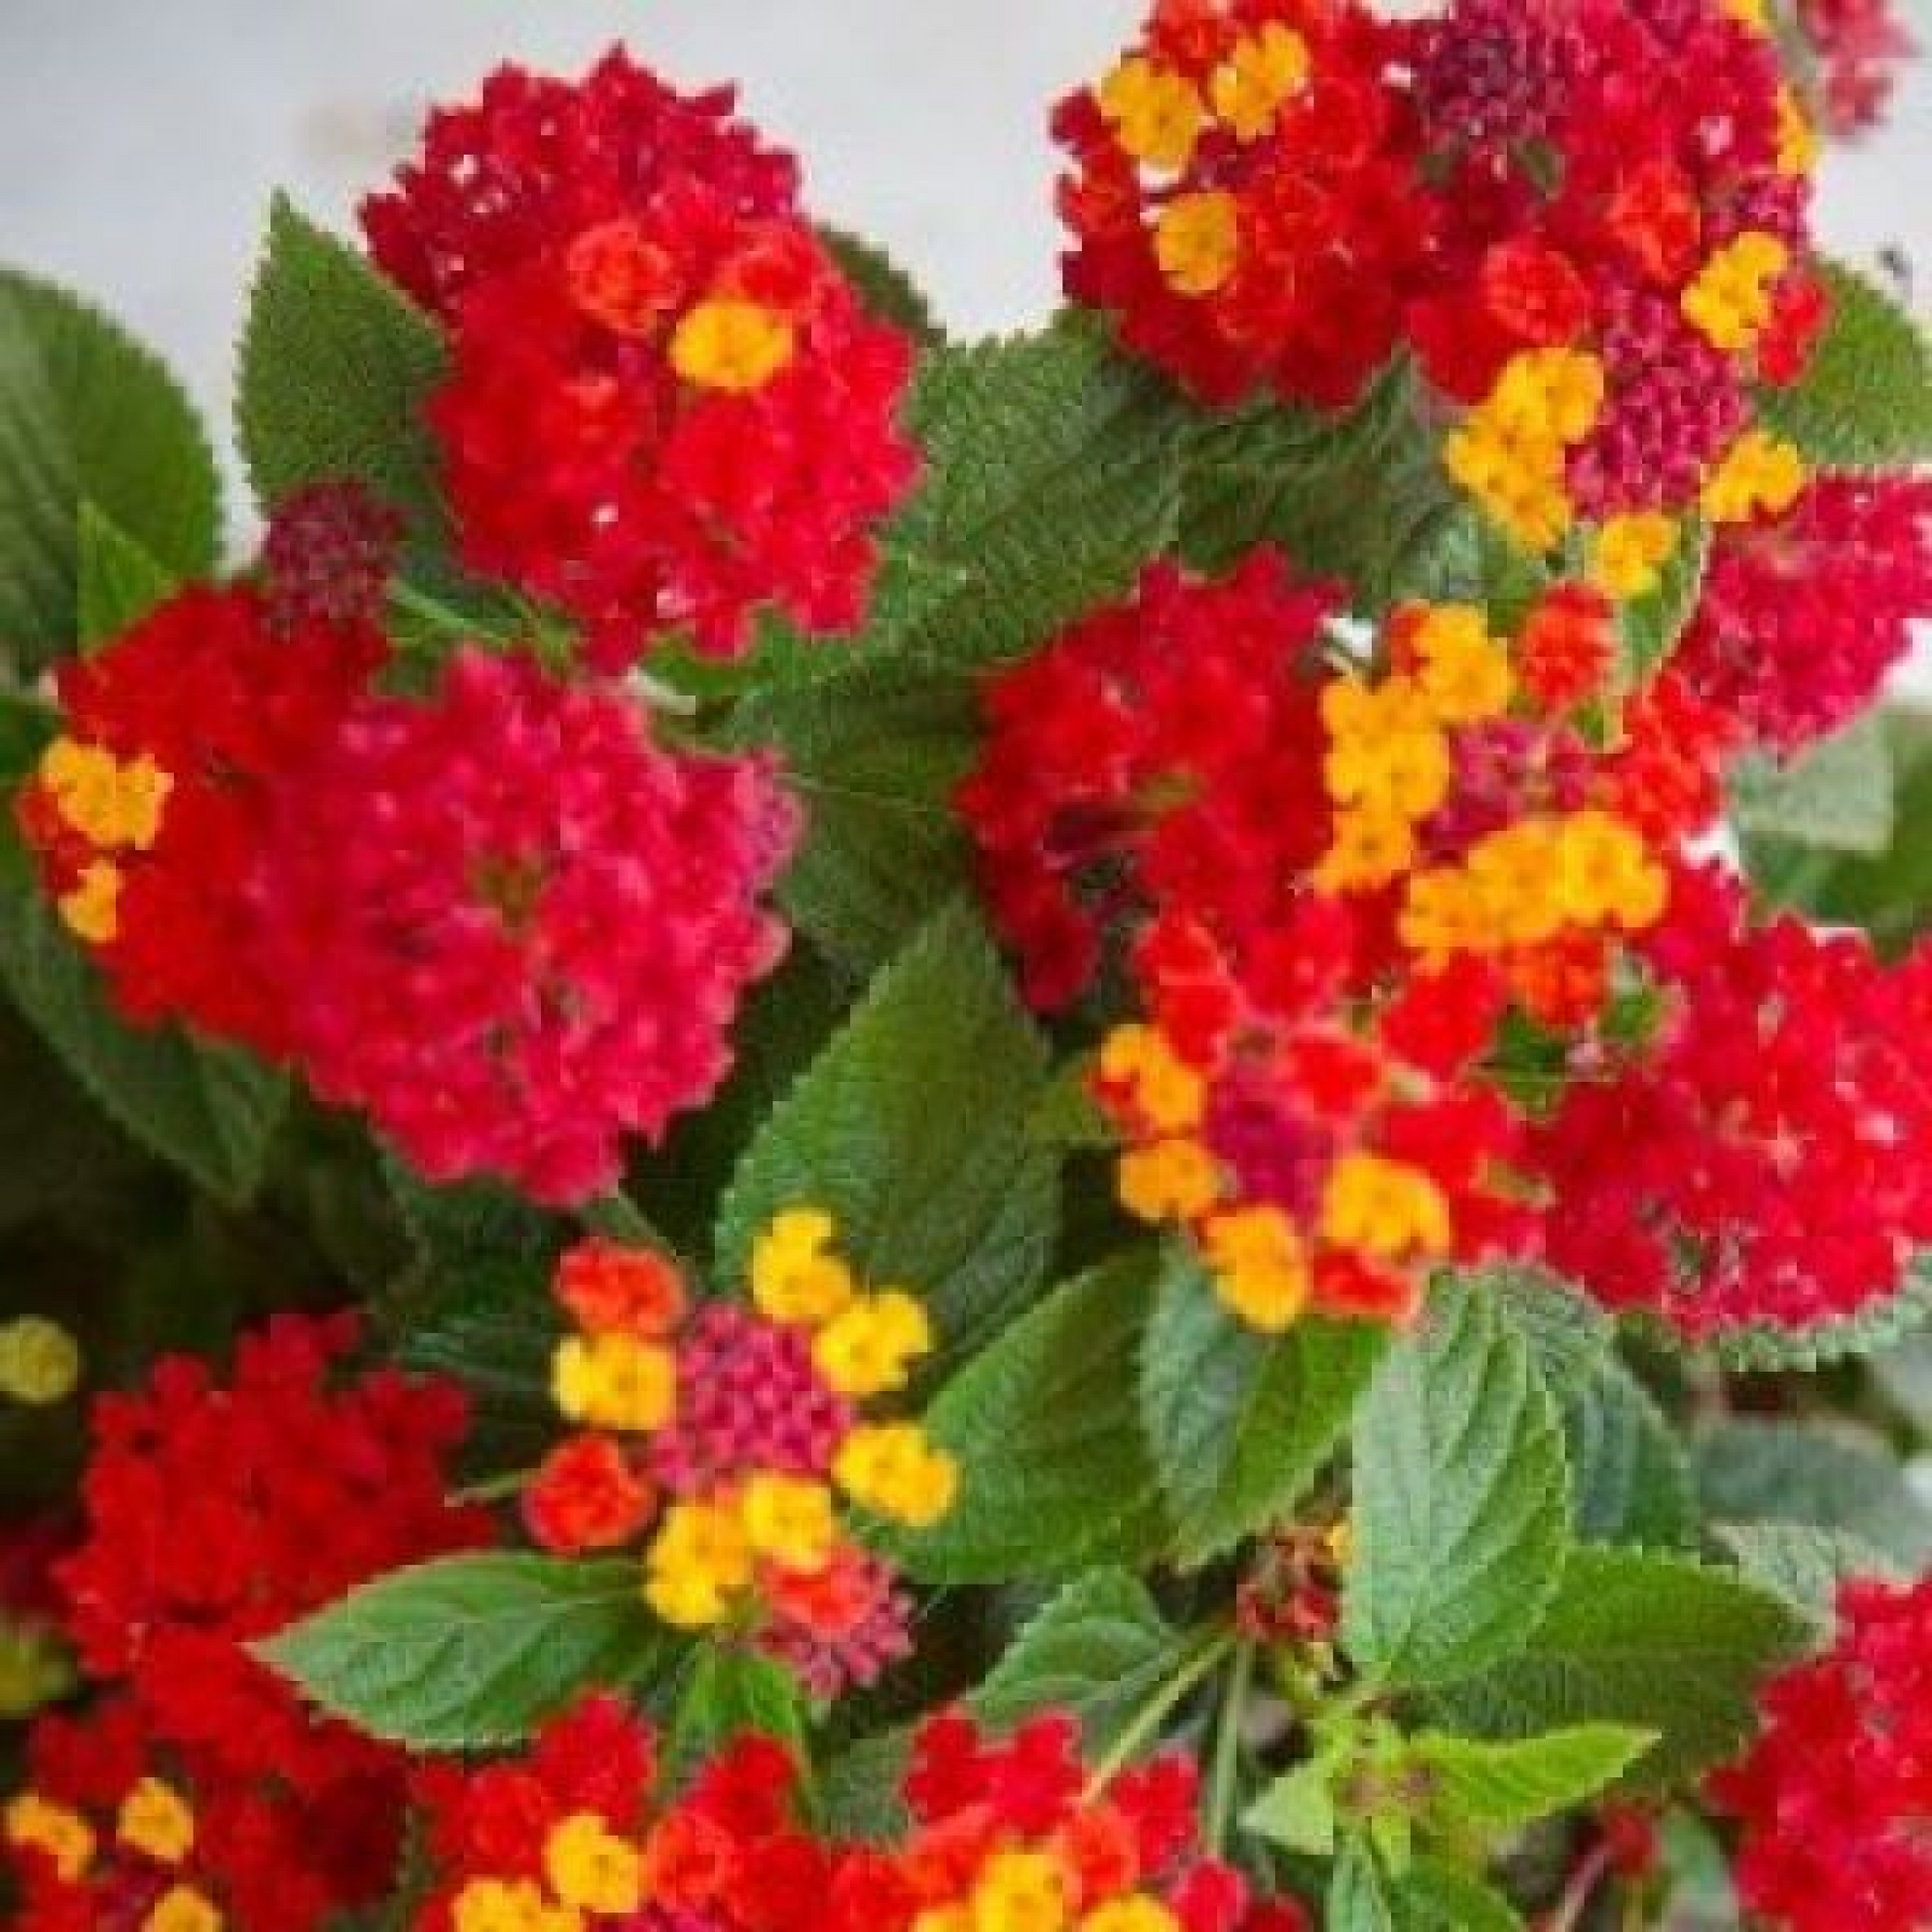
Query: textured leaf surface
[1052,474]
[1629,1475]
[1239,1424]
[1429,1897]
[87,416]
[1831,1477]
[1659,1643]
[1056,1476]
[1485,1787]
[210,1111]
[874,752]
[1866,401]
[909,1127]
[1805,1566]
[1461,1498]
[1362,497]
[471,1650]
[336,363]
[731,1693]
[118,581]
[1838,796]
[885,288]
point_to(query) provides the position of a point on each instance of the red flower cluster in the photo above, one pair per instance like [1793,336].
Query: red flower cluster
[1859,47]
[216,1515]
[1766,1156]
[328,556]
[512,927]
[1164,752]
[727,1435]
[1834,1799]
[667,409]
[149,813]
[1245,197]
[1803,614]
[1013,1833]
[569,1835]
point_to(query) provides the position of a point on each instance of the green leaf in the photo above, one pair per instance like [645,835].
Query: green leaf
[1358,1893]
[336,363]
[1240,1424]
[1097,1650]
[1483,1787]
[1631,1477]
[1429,1897]
[1866,401]
[875,752]
[1888,892]
[885,289]
[1838,796]
[731,1693]
[1052,475]
[1831,1475]
[118,581]
[1361,497]
[1805,1566]
[1462,1498]
[1054,1474]
[471,1651]
[910,1128]
[1659,1643]
[87,416]
[1569,1336]
[1298,1810]
[1651,625]
[468,1221]
[210,1111]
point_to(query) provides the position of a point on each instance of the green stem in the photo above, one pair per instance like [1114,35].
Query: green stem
[1227,1748]
[493,1489]
[617,1217]
[1145,1725]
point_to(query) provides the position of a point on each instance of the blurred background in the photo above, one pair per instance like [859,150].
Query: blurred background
[139,142]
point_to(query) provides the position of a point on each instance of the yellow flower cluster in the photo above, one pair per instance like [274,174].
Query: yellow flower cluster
[1035,1891]
[1524,885]
[154,1819]
[1509,452]
[589,1873]
[1762,475]
[1730,300]
[730,345]
[116,805]
[1158,115]
[1627,553]
[1388,763]
[707,1552]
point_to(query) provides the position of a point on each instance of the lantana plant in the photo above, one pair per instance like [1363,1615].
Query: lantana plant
[807,1129]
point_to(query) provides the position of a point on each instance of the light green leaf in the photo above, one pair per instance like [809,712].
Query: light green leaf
[1052,475]
[1805,1566]
[910,1128]
[336,363]
[87,416]
[1362,497]
[1831,1475]
[471,1651]
[119,582]
[1866,401]
[1483,1787]
[1461,1498]
[875,752]
[1838,796]
[1298,1810]
[1239,1422]
[1658,1643]
[210,1111]
[1569,1336]
[1429,1897]
[1054,1474]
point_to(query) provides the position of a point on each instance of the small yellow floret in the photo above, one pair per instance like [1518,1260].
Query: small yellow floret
[1169,1180]
[1465,673]
[1384,1207]
[700,1561]
[1259,1266]
[506,1905]
[896,1470]
[91,912]
[1198,241]
[1731,297]
[1155,112]
[1371,847]
[157,1821]
[794,1279]
[1022,1891]
[1629,553]
[1141,1915]
[1261,74]
[615,1381]
[592,1868]
[180,1908]
[728,344]
[1166,1090]
[792,1520]
[871,1347]
[1762,475]
[63,1836]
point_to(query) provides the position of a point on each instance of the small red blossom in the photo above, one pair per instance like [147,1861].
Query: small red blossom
[328,557]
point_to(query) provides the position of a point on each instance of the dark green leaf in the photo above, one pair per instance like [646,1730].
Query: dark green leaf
[471,1650]
[87,416]
[1239,1422]
[731,1693]
[1866,401]
[1462,1498]
[336,363]
[910,1128]
[885,288]
[1631,1477]
[119,582]
[1056,1476]
[1659,1643]
[1652,624]
[875,752]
